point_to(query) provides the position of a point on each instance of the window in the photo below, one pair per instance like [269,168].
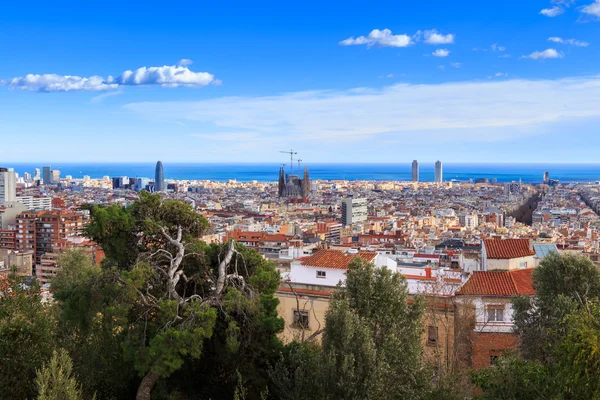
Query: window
[494,356]
[321,274]
[432,335]
[495,313]
[300,319]
[524,265]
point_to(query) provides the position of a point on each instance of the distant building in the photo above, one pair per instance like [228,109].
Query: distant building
[415,171]
[292,185]
[47,176]
[35,203]
[159,178]
[438,176]
[36,175]
[55,176]
[8,186]
[546,177]
[142,184]
[354,210]
[42,230]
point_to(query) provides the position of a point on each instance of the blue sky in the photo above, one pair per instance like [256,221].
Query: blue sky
[461,81]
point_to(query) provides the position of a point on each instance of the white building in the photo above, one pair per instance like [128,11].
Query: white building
[507,254]
[35,203]
[328,267]
[8,186]
[354,210]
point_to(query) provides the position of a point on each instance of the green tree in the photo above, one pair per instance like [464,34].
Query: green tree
[562,284]
[372,337]
[371,346]
[93,325]
[26,337]
[163,294]
[55,381]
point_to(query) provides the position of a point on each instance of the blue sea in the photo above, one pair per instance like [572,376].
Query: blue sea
[528,173]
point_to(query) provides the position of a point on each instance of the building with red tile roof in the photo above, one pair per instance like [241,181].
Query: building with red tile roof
[507,254]
[488,295]
[498,283]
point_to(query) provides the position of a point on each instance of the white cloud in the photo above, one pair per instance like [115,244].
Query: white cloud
[504,56]
[184,62]
[59,83]
[495,47]
[455,64]
[552,12]
[434,37]
[389,76]
[506,106]
[383,38]
[498,75]
[441,53]
[166,76]
[592,9]
[573,42]
[540,55]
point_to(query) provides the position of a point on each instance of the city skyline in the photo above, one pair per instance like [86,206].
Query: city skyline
[469,83]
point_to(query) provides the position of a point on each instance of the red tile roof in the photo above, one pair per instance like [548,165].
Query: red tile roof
[499,283]
[336,259]
[508,248]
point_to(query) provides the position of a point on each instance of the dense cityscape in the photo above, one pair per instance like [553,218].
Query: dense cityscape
[442,236]
[300,200]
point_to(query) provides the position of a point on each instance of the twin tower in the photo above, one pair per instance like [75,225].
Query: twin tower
[438,173]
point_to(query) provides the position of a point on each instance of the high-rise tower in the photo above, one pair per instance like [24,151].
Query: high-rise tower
[415,171]
[159,178]
[47,177]
[438,172]
[8,187]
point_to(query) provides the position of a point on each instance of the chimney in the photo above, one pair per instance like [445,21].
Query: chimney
[428,272]
[531,245]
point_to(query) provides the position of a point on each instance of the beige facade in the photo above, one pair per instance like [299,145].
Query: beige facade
[306,306]
[302,306]
[21,261]
[510,264]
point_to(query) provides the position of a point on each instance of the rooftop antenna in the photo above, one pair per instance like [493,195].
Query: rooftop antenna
[291,153]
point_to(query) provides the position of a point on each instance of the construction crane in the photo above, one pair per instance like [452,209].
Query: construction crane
[291,153]
[299,161]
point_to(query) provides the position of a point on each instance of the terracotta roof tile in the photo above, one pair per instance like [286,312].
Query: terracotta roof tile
[499,283]
[508,248]
[336,259]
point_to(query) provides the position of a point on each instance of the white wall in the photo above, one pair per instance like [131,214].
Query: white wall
[481,303]
[308,275]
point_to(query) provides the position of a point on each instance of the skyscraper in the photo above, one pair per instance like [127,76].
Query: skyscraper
[47,177]
[159,178]
[438,172]
[415,171]
[546,177]
[55,176]
[8,186]
[354,210]
[36,175]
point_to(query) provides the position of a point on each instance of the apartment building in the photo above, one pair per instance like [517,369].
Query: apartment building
[40,231]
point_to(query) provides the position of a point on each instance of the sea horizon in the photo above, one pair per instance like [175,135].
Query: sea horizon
[268,172]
